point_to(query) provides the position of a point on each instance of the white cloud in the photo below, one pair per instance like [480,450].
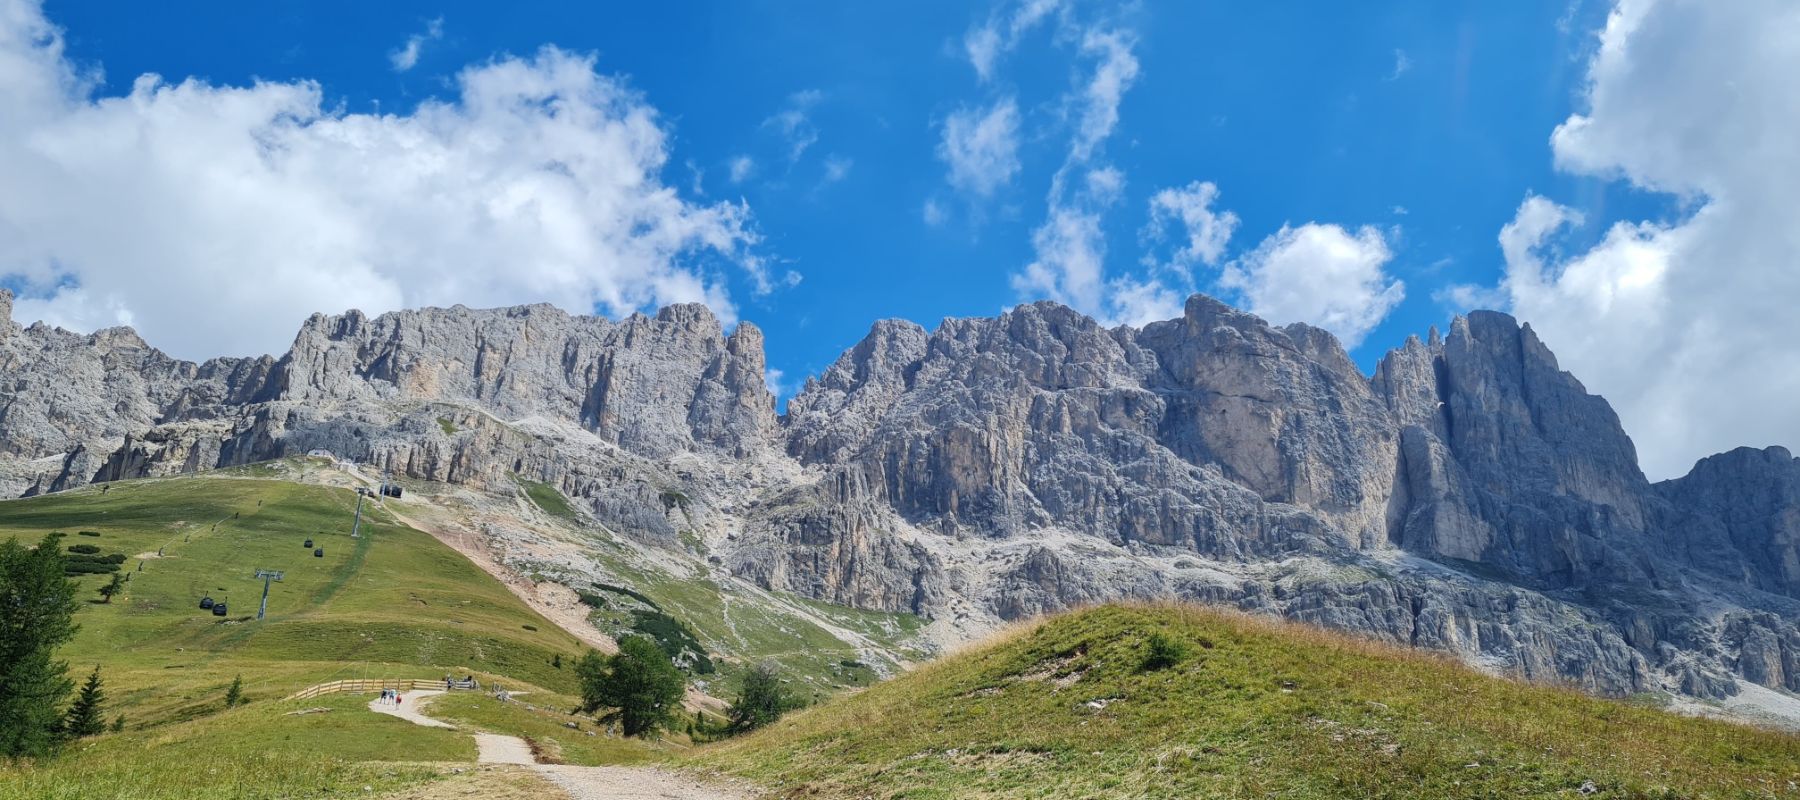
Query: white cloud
[1688,327]
[934,213]
[984,45]
[1070,264]
[774,379]
[407,56]
[1402,65]
[1070,246]
[1113,75]
[216,218]
[741,168]
[1319,274]
[1207,231]
[794,122]
[1139,303]
[981,146]
[837,168]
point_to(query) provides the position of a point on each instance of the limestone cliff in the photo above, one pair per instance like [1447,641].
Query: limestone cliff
[1469,496]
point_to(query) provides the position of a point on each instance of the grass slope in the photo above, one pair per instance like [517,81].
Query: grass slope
[393,602]
[1254,709]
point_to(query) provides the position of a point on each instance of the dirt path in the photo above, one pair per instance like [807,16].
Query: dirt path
[410,707]
[497,749]
[578,783]
[633,783]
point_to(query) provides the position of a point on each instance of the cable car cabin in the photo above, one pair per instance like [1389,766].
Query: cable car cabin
[318,552]
[206,602]
[390,490]
[308,543]
[218,609]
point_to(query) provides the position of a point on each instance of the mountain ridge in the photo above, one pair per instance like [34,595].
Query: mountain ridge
[1469,495]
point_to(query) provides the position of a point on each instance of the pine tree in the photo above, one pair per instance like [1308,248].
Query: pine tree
[640,681]
[84,717]
[37,608]
[235,694]
[116,585]
[118,725]
[762,701]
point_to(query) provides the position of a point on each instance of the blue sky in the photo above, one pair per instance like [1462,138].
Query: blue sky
[1295,116]
[809,155]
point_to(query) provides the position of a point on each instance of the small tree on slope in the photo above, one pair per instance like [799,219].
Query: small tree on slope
[763,699]
[37,609]
[234,695]
[639,681]
[85,716]
[116,585]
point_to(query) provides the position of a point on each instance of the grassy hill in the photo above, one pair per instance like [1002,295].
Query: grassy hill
[393,602]
[1066,708]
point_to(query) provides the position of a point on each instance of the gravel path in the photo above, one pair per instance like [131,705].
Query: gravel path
[632,783]
[497,749]
[579,783]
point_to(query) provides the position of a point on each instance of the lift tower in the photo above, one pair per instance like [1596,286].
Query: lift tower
[266,575]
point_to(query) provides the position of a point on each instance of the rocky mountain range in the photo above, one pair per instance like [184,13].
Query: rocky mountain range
[1470,496]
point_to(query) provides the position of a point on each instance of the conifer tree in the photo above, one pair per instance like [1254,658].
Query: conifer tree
[762,701]
[640,681]
[85,716]
[116,585]
[37,608]
[235,694]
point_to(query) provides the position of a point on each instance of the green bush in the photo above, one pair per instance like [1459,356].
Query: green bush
[1163,653]
[85,549]
[88,533]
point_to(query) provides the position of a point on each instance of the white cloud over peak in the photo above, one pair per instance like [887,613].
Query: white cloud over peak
[1322,275]
[216,218]
[1688,326]
[981,146]
[407,56]
[1206,231]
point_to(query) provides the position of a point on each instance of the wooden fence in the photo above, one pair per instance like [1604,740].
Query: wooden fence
[376,685]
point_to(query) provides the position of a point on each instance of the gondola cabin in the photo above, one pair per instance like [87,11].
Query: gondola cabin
[318,552]
[308,543]
[218,609]
[206,602]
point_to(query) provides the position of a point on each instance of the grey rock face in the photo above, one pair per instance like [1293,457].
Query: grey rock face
[1469,496]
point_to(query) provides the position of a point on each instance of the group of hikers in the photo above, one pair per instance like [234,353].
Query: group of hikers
[390,696]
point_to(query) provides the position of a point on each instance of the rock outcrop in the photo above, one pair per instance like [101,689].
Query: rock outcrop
[1469,496]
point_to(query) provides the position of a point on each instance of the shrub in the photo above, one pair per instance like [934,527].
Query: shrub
[1163,653]
[84,549]
[88,533]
